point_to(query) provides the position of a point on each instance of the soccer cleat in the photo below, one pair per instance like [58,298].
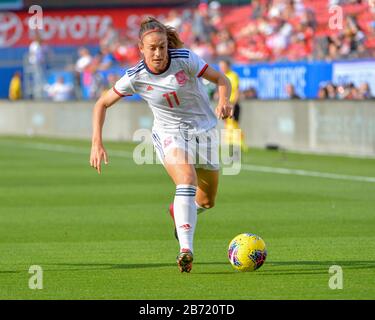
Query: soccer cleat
[171,212]
[185,260]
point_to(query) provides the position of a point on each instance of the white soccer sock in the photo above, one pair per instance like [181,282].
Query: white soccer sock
[185,214]
[199,208]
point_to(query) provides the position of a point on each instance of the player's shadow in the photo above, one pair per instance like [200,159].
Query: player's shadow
[108,266]
[272,267]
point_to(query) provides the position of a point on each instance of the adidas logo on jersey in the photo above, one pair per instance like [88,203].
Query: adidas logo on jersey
[149,88]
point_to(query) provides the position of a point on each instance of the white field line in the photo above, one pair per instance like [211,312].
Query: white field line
[306,173]
[62,148]
[244,166]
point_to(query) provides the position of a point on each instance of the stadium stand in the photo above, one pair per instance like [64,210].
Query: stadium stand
[272,31]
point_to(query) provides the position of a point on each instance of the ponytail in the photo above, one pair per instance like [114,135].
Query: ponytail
[174,41]
[150,24]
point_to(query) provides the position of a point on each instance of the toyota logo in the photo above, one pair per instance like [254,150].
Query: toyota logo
[10,29]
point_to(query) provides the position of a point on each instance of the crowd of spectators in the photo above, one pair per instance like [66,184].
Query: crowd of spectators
[345,92]
[276,30]
[346,44]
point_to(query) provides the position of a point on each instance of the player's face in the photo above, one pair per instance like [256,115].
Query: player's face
[154,48]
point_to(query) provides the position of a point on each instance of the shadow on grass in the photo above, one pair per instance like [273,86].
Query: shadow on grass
[108,266]
[272,267]
[313,267]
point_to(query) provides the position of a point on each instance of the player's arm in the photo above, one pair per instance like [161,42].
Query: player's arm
[98,152]
[224,109]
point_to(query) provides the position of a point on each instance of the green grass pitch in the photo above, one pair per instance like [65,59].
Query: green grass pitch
[109,236]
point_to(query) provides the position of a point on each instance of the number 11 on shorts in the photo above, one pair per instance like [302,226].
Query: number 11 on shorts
[169,100]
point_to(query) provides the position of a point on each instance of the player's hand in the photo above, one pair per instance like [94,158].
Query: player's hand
[224,110]
[98,154]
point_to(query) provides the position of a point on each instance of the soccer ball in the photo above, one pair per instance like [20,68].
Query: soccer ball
[247,252]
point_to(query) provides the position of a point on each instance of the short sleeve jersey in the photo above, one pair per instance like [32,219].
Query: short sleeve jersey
[177,97]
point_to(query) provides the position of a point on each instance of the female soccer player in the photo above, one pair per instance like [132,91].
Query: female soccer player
[169,79]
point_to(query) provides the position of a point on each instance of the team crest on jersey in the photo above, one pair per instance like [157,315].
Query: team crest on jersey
[167,141]
[181,77]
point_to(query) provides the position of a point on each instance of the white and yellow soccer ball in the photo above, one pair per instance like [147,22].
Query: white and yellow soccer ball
[247,252]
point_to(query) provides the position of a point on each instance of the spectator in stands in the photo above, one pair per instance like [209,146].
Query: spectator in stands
[352,92]
[372,26]
[308,18]
[264,27]
[82,64]
[92,79]
[107,59]
[84,60]
[291,92]
[345,91]
[342,92]
[350,43]
[297,48]
[305,33]
[214,14]
[364,91]
[37,51]
[186,33]
[250,93]
[287,10]
[59,91]
[125,52]
[201,23]
[345,49]
[225,46]
[173,20]
[256,10]
[343,2]
[37,61]
[358,38]
[322,93]
[255,50]
[279,39]
[203,49]
[372,20]
[110,82]
[111,35]
[331,91]
[15,87]
[333,45]
[112,79]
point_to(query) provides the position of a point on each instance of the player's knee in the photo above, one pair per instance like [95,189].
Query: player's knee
[190,180]
[208,204]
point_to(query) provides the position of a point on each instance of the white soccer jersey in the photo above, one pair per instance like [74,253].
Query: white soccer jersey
[177,97]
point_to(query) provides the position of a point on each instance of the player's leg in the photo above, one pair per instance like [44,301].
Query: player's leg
[207,185]
[208,181]
[236,112]
[207,169]
[236,117]
[183,174]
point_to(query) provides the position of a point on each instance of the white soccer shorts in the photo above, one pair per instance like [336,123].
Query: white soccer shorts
[202,148]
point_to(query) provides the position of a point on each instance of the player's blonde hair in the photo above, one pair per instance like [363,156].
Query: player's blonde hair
[150,24]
